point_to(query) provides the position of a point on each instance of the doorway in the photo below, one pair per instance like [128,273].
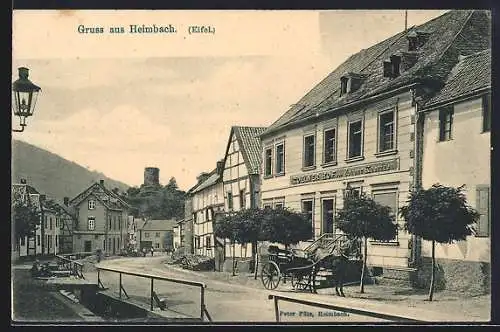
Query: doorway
[327,220]
[88,246]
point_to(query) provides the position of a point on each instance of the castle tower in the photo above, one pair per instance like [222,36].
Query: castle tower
[151,176]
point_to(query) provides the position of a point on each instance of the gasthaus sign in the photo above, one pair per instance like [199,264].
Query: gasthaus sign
[344,172]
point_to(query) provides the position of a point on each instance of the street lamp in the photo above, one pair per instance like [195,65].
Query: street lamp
[24,94]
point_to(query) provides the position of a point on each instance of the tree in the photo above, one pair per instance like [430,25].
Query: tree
[439,214]
[284,226]
[26,218]
[363,218]
[226,228]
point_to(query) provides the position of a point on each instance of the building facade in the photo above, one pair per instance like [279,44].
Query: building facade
[456,146]
[157,234]
[101,220]
[207,201]
[357,128]
[240,177]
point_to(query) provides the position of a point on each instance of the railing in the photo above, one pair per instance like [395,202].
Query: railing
[77,255]
[75,268]
[362,312]
[153,296]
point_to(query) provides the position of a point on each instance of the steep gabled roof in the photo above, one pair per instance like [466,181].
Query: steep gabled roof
[249,143]
[472,74]
[108,198]
[456,32]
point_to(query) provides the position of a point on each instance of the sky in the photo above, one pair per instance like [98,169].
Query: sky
[118,104]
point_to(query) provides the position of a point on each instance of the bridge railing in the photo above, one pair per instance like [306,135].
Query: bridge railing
[153,296]
[75,267]
[346,309]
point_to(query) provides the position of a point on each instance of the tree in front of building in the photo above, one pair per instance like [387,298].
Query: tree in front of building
[26,218]
[226,228]
[363,218]
[285,226]
[439,214]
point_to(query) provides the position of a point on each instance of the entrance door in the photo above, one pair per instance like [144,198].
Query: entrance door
[327,222]
[88,246]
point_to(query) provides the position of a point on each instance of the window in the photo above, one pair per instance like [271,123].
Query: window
[46,222]
[242,199]
[23,241]
[328,215]
[268,162]
[56,240]
[91,223]
[343,85]
[50,223]
[352,190]
[386,131]
[119,221]
[355,139]
[57,222]
[157,234]
[197,242]
[483,208]
[445,124]
[329,151]
[308,209]
[61,223]
[395,62]
[91,204]
[267,206]
[230,200]
[487,113]
[389,199]
[157,245]
[146,234]
[109,222]
[208,243]
[114,222]
[278,205]
[38,240]
[49,241]
[280,158]
[309,144]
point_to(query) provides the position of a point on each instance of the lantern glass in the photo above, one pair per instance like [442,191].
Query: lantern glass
[25,95]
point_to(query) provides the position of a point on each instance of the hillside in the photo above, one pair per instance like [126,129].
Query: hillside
[53,175]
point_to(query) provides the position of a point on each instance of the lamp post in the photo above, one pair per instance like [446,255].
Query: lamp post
[24,94]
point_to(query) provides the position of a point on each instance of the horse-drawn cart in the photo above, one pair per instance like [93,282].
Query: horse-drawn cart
[301,267]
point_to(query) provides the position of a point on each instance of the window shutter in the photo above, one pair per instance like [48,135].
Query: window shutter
[483,208]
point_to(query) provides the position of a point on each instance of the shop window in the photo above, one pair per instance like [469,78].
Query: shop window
[309,150]
[308,209]
[327,207]
[390,199]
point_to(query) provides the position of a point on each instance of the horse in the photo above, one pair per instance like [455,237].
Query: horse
[336,260]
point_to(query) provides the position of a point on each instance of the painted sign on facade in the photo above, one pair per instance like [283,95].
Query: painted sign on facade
[344,172]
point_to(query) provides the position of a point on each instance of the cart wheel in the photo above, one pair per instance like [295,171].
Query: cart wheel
[270,275]
[300,282]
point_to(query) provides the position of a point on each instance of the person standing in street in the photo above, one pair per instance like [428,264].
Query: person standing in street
[144,252]
[152,251]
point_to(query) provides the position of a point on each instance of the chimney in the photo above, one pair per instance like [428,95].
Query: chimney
[23,181]
[66,201]
[101,182]
[220,166]
[42,198]
[202,177]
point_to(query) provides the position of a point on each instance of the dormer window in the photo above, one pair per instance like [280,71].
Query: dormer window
[344,80]
[391,68]
[416,39]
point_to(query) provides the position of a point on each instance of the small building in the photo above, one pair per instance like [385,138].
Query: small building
[456,148]
[101,220]
[50,228]
[240,177]
[131,242]
[157,234]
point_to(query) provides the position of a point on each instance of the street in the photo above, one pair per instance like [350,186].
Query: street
[225,302]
